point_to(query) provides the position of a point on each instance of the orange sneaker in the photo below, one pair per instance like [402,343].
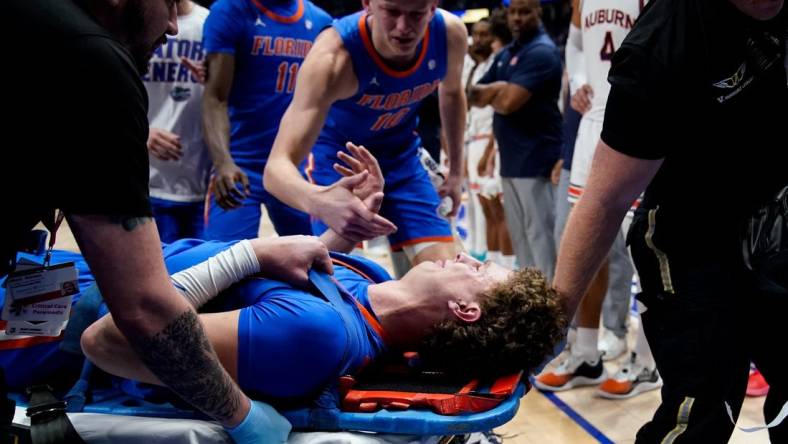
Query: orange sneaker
[756,384]
[572,371]
[633,378]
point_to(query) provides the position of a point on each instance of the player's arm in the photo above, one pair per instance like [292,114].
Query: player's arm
[575,63]
[579,89]
[325,77]
[216,130]
[575,19]
[452,106]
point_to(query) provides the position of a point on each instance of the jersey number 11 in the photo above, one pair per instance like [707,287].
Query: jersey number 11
[286,75]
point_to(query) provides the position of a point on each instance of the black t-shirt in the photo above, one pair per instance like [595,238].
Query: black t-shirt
[702,86]
[75,124]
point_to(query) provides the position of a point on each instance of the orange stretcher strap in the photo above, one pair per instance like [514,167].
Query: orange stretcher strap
[371,320]
[466,400]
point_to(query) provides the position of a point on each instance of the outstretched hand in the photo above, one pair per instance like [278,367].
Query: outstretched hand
[360,160]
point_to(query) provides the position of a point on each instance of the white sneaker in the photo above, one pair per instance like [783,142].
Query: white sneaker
[611,345]
[631,379]
[573,371]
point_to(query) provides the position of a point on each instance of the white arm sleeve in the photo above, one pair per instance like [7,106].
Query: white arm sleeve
[204,281]
[575,62]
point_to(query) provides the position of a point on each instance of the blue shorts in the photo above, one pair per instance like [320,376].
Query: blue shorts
[244,222]
[178,220]
[410,202]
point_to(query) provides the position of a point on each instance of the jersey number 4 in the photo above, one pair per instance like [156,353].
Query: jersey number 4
[286,76]
[608,48]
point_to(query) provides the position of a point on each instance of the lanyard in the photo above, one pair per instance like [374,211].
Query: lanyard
[52,226]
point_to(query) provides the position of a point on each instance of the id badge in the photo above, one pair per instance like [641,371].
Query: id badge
[38,299]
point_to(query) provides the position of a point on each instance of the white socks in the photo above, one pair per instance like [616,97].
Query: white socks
[503,260]
[586,344]
[494,256]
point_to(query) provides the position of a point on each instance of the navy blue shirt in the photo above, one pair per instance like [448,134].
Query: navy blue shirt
[529,139]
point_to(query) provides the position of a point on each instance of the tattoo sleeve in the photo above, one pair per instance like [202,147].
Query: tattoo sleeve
[129,223]
[182,358]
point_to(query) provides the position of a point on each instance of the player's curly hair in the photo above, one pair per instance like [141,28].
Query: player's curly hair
[521,322]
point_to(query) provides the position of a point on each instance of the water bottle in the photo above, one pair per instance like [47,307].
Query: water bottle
[437,178]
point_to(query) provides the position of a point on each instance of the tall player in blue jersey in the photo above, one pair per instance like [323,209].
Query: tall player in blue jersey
[254,51]
[362,83]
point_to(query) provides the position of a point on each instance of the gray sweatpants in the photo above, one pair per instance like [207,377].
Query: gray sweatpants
[618,299]
[529,207]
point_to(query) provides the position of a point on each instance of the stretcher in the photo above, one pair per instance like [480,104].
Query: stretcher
[117,414]
[113,416]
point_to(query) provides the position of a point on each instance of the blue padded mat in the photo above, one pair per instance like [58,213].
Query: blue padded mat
[408,422]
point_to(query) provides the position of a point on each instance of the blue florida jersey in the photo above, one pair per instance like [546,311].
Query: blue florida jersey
[382,115]
[304,334]
[269,42]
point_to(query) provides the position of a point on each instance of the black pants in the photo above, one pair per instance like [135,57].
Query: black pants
[705,321]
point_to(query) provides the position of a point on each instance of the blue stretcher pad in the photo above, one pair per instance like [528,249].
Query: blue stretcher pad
[407,422]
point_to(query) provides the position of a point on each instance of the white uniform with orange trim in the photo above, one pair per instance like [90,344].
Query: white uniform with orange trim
[478,132]
[604,25]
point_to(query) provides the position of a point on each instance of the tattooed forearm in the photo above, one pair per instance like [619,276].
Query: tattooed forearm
[129,223]
[182,358]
